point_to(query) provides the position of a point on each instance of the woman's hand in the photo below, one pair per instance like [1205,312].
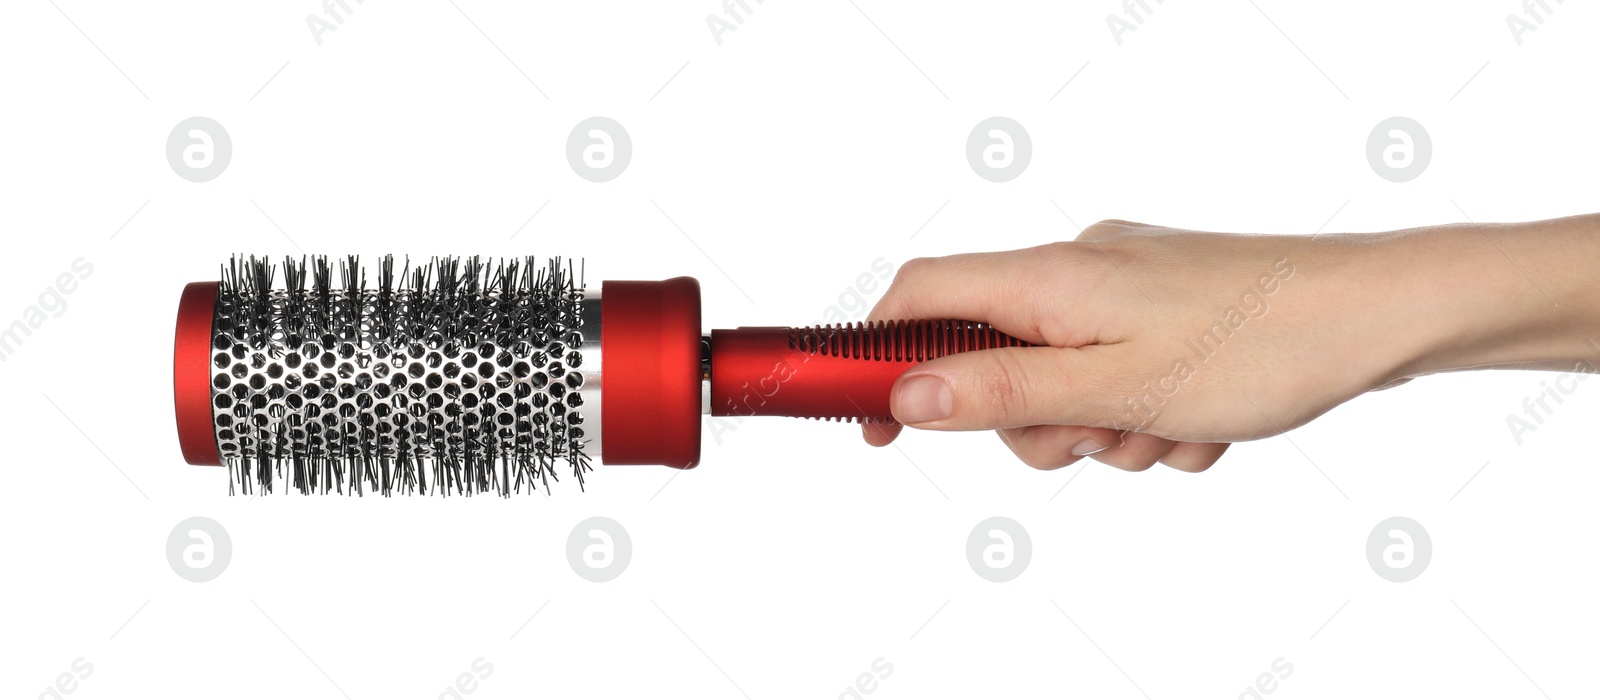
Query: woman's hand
[1167,345]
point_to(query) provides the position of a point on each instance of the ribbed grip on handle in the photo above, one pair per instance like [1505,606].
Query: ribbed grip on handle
[831,372]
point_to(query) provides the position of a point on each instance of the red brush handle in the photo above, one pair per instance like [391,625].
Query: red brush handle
[831,372]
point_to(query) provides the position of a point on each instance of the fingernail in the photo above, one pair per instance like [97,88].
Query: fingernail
[923,398]
[1086,447]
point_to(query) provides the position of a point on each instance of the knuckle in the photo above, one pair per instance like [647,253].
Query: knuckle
[1027,456]
[1046,463]
[1188,464]
[1003,389]
[893,304]
[910,270]
[1029,451]
[1136,465]
[1105,229]
[1121,225]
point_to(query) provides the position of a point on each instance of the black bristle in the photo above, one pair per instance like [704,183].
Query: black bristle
[354,389]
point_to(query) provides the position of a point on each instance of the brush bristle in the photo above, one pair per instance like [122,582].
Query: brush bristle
[455,377]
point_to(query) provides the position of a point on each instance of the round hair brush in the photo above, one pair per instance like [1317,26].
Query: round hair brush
[471,376]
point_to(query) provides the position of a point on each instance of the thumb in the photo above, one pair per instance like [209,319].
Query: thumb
[1011,388]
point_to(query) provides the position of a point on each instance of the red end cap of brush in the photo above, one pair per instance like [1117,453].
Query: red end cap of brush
[191,374]
[650,350]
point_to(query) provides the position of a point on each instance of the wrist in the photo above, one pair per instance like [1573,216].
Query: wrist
[1493,295]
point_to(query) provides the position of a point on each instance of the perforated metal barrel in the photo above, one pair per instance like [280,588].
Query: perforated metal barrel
[483,378]
[461,372]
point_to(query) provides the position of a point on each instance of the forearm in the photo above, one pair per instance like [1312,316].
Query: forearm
[1523,295]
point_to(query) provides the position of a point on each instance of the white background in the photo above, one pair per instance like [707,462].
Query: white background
[815,139]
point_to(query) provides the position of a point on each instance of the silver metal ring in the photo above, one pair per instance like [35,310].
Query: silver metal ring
[589,350]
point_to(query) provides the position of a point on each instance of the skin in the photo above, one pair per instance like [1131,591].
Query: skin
[1165,345]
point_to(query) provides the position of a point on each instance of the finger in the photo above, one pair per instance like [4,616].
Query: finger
[1136,452]
[880,434]
[1011,388]
[1056,446]
[994,288]
[1194,456]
